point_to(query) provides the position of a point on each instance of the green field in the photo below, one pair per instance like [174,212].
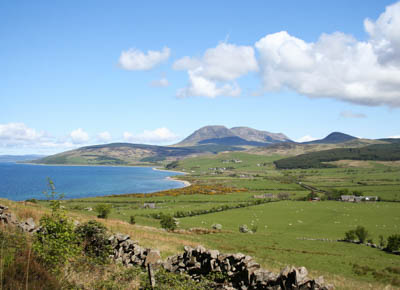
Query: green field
[285,229]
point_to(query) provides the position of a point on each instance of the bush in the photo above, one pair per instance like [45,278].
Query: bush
[93,237]
[382,242]
[56,242]
[168,222]
[132,220]
[393,243]
[350,236]
[103,210]
[361,233]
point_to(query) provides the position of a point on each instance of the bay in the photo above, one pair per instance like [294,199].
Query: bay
[25,181]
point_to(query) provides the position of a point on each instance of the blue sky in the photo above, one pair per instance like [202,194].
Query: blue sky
[74,73]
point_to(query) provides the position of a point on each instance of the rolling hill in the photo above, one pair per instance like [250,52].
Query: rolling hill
[129,154]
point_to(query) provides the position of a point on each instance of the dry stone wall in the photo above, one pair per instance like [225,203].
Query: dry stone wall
[235,271]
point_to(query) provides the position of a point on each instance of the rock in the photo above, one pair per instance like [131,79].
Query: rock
[301,275]
[121,237]
[213,254]
[153,258]
[217,226]
[244,229]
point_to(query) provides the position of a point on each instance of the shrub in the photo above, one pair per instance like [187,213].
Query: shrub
[56,242]
[132,220]
[350,236]
[103,210]
[168,222]
[254,228]
[382,242]
[393,243]
[93,237]
[361,233]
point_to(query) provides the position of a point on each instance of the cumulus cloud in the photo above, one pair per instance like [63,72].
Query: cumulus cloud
[337,65]
[134,59]
[160,135]
[215,73]
[18,133]
[163,82]
[18,136]
[350,114]
[104,137]
[79,136]
[306,138]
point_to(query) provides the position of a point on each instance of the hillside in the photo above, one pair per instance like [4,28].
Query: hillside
[294,149]
[129,154]
[237,136]
[333,138]
[380,152]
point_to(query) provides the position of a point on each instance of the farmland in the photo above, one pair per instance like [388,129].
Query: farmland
[288,229]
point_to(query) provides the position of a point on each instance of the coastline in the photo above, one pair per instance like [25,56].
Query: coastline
[185,183]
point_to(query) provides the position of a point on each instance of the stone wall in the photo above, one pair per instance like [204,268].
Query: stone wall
[235,271]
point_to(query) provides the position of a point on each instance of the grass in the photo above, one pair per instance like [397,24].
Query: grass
[284,228]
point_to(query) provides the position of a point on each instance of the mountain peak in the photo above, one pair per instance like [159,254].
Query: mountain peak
[218,134]
[333,138]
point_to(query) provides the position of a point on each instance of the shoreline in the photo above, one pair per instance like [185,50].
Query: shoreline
[173,173]
[185,183]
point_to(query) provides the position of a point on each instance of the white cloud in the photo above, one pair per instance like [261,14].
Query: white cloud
[395,136]
[215,73]
[350,114]
[160,135]
[204,87]
[306,138]
[17,138]
[134,59]
[163,82]
[104,136]
[337,65]
[18,133]
[79,136]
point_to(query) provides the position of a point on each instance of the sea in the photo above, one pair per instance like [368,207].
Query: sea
[26,181]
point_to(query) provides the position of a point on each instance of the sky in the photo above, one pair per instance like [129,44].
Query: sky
[76,73]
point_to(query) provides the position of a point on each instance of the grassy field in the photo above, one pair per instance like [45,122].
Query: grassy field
[287,231]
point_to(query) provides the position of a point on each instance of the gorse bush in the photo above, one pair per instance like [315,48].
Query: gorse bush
[103,210]
[93,238]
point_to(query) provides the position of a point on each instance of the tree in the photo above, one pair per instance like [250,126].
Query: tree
[361,233]
[350,236]
[168,222]
[103,210]
[132,220]
[393,243]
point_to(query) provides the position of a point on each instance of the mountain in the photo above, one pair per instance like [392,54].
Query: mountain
[251,134]
[129,154]
[18,158]
[333,138]
[237,136]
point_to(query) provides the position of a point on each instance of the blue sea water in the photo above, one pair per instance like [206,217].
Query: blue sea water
[25,181]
